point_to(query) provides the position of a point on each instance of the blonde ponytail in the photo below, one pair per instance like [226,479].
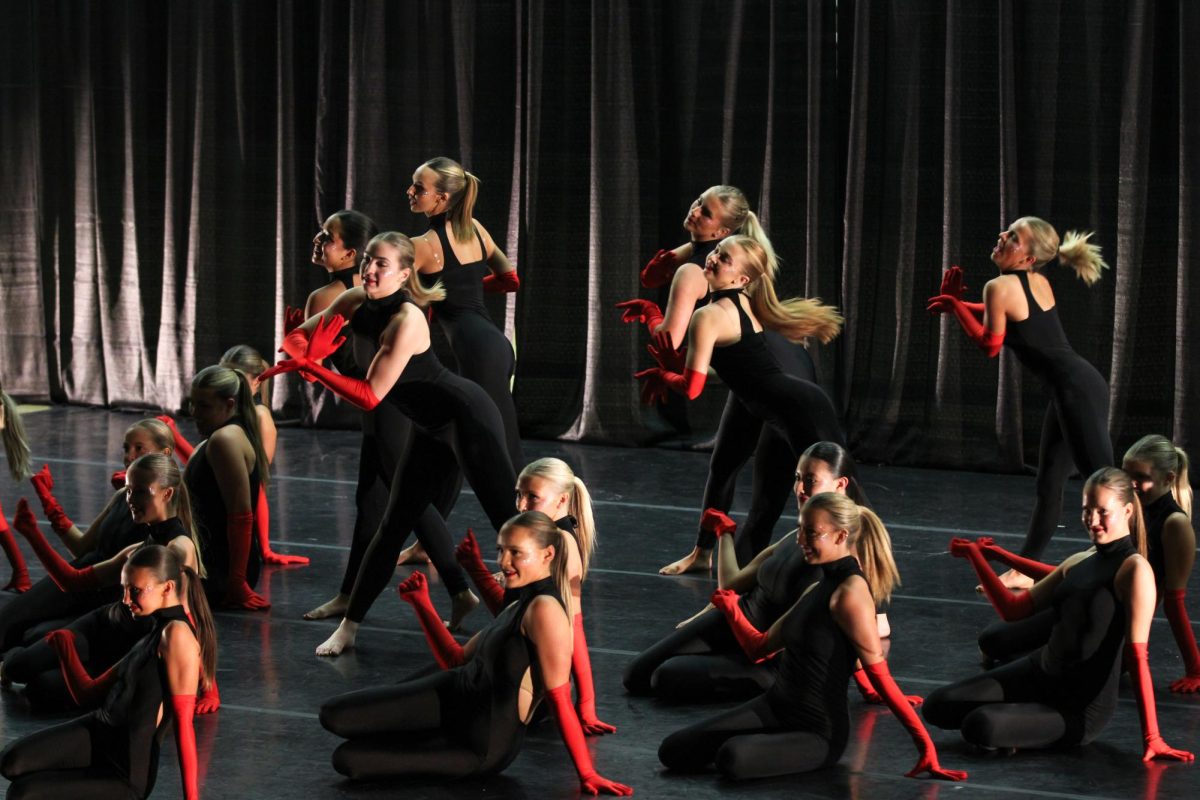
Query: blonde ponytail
[547,534]
[797,318]
[463,190]
[420,294]
[1164,458]
[579,502]
[869,540]
[16,446]
[1075,252]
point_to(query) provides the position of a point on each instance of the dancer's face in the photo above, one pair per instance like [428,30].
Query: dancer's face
[723,269]
[143,593]
[1149,483]
[382,272]
[328,248]
[521,558]
[814,476]
[703,221]
[209,410]
[1105,517]
[535,493]
[820,538]
[423,196]
[148,502]
[1011,251]
[138,442]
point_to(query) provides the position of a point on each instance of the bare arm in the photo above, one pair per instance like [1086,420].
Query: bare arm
[266,428]
[1179,551]
[497,261]
[226,452]
[743,579]
[688,287]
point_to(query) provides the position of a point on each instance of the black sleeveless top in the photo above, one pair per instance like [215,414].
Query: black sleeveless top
[343,359]
[345,276]
[1039,340]
[463,282]
[743,364]
[701,251]
[781,579]
[1155,514]
[115,532]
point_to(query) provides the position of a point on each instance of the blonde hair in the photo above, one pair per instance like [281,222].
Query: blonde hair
[739,219]
[547,534]
[251,362]
[227,383]
[16,446]
[1119,482]
[166,474]
[1075,252]
[157,430]
[463,189]
[796,318]
[420,294]
[579,501]
[1163,456]
[868,538]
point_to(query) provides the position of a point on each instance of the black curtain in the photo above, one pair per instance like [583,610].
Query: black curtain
[165,165]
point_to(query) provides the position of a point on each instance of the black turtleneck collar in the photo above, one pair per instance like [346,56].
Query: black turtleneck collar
[437,221]
[531,590]
[346,276]
[165,530]
[389,304]
[841,568]
[567,524]
[723,293]
[1123,547]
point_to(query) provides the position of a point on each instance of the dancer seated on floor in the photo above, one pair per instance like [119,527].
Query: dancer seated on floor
[159,505]
[470,719]
[548,485]
[16,450]
[802,722]
[109,533]
[113,751]
[722,211]
[701,661]
[1064,693]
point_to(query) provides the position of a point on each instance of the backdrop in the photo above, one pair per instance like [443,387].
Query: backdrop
[165,165]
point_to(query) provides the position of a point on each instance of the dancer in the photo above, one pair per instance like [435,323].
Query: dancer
[16,450]
[113,752]
[802,723]
[456,425]
[1065,692]
[1019,310]
[721,211]
[470,719]
[548,485]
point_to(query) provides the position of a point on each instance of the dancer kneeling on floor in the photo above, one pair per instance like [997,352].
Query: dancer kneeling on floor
[470,718]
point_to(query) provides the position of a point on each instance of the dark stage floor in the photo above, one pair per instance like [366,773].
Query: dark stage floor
[266,741]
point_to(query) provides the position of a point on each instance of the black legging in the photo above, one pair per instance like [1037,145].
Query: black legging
[485,356]
[66,761]
[749,741]
[1014,705]
[45,602]
[1004,641]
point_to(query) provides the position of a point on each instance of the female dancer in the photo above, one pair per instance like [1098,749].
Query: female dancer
[719,212]
[110,532]
[1019,310]
[459,253]
[1065,692]
[802,722]
[456,425]
[16,449]
[548,485]
[113,751]
[470,719]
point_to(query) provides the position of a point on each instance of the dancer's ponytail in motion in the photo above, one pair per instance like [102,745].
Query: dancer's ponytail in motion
[869,540]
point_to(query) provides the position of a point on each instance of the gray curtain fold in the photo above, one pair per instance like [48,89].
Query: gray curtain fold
[167,163]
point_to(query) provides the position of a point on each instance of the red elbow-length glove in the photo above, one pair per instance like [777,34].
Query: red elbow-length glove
[969,315]
[43,485]
[1026,566]
[590,781]
[239,529]
[717,523]
[585,690]
[660,269]
[501,282]
[1008,604]
[323,342]
[881,679]
[470,558]
[752,640]
[68,578]
[292,318]
[183,448]
[20,572]
[415,591]
[656,382]
[262,527]
[638,310]
[184,706]
[1138,663]
[1181,626]
[85,690]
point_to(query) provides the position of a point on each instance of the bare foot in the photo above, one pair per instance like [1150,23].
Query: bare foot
[1012,580]
[413,555]
[342,640]
[332,608]
[698,560]
[461,605]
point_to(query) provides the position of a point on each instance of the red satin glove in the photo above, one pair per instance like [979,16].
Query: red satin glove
[239,530]
[952,282]
[870,696]
[659,269]
[262,527]
[638,310]
[470,558]
[20,572]
[1026,566]
[68,578]
[972,325]
[1138,663]
[1181,626]
[117,479]
[717,522]
[292,318]
[415,591]
[43,484]
[183,448]
[209,699]
[881,679]
[85,690]
[184,706]
[585,690]
[501,282]
[1009,605]
[357,391]
[752,640]
[670,359]
[656,382]
[326,339]
[590,781]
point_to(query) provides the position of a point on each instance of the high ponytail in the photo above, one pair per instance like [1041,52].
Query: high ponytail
[419,293]
[463,190]
[869,540]
[1164,457]
[16,446]
[165,472]
[842,465]
[228,383]
[1119,482]
[737,217]
[579,501]
[1075,252]
[547,534]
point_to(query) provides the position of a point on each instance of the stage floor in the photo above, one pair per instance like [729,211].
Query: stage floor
[266,741]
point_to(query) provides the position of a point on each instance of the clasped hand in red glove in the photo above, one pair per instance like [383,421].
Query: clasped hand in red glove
[717,522]
[724,600]
[952,282]
[960,547]
[659,269]
[413,587]
[668,358]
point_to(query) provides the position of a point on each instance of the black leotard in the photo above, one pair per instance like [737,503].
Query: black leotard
[483,352]
[111,752]
[1075,429]
[1155,515]
[209,513]
[802,722]
[1065,692]
[462,721]
[456,430]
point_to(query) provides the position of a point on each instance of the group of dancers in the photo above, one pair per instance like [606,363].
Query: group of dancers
[123,629]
